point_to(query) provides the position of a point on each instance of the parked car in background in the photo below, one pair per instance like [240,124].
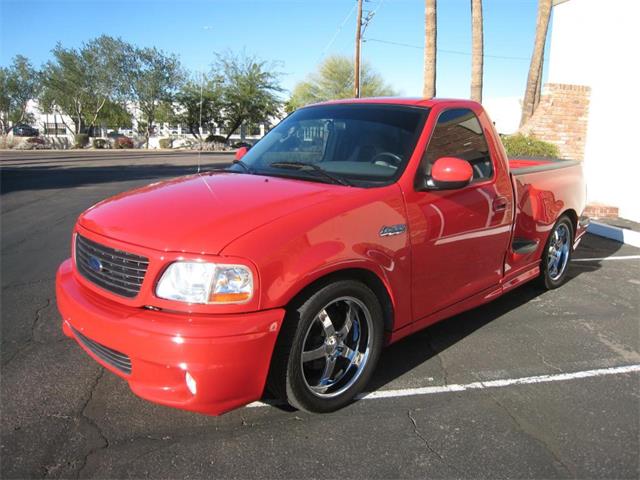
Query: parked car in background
[24,130]
[349,226]
[120,140]
[241,145]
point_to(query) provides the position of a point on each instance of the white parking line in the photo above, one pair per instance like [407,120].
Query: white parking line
[559,377]
[599,259]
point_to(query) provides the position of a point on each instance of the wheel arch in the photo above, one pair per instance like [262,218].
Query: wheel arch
[363,275]
[573,216]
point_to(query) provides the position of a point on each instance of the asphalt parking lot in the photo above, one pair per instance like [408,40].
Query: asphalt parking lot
[530,386]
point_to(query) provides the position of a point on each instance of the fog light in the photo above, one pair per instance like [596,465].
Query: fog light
[191,383]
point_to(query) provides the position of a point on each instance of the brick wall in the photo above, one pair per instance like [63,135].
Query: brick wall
[561,118]
[598,210]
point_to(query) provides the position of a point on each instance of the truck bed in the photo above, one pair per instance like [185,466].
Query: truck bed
[544,188]
[524,165]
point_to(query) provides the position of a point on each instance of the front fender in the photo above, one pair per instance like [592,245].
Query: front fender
[299,249]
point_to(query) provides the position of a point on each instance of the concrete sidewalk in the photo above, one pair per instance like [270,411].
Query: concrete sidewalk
[618,229]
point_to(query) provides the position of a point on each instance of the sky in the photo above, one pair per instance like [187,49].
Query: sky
[297,34]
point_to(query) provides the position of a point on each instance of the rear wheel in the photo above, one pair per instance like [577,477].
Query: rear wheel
[557,254]
[328,347]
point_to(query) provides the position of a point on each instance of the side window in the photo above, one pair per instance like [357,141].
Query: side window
[458,134]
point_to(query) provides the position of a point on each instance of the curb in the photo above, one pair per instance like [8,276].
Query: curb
[623,235]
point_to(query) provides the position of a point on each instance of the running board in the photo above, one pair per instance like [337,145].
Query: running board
[522,246]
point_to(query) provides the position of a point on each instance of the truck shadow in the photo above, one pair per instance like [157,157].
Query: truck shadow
[411,352]
[407,354]
[414,350]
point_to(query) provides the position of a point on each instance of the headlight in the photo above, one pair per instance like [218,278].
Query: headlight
[200,282]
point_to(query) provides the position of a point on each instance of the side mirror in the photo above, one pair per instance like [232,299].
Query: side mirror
[450,173]
[241,152]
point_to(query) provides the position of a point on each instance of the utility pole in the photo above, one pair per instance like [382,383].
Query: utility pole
[356,72]
[430,38]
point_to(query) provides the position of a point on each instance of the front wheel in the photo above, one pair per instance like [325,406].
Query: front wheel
[557,254]
[328,347]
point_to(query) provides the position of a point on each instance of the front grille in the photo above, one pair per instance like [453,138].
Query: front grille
[115,270]
[114,358]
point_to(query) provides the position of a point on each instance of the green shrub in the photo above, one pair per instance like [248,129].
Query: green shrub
[215,139]
[80,140]
[166,143]
[520,145]
[100,143]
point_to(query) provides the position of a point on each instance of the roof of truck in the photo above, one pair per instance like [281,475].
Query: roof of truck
[418,102]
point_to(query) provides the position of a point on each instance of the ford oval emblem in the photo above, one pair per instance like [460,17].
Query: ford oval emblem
[95,264]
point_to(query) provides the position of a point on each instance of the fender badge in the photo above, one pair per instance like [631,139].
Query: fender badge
[388,230]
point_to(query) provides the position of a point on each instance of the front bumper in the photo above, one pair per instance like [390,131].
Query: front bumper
[228,356]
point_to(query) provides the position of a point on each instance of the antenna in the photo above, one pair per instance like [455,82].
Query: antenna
[200,121]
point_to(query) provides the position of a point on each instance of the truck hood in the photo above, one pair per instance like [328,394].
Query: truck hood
[202,213]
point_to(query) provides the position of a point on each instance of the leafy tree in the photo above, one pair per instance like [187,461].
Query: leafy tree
[154,80]
[19,83]
[114,115]
[80,82]
[334,80]
[199,102]
[250,91]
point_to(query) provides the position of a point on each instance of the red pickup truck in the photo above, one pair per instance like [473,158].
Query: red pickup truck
[349,226]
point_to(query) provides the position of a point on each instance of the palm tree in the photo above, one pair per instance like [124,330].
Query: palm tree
[430,34]
[534,79]
[477,53]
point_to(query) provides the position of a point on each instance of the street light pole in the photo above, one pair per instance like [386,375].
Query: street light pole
[356,71]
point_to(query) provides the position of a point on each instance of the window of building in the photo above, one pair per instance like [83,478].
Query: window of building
[55,129]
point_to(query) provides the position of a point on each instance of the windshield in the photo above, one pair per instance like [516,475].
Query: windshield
[353,144]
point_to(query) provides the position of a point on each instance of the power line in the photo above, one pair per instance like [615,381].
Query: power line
[335,35]
[369,16]
[377,7]
[440,50]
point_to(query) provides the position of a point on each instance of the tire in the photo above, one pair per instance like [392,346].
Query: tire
[557,255]
[328,347]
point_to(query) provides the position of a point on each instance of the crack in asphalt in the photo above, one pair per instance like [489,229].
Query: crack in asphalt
[428,445]
[34,325]
[518,423]
[27,284]
[546,362]
[89,421]
[14,247]
[540,355]
[19,205]
[31,338]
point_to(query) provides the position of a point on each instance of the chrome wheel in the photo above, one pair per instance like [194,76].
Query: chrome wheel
[336,347]
[559,251]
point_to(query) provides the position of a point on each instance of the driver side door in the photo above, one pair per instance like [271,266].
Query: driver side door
[459,236]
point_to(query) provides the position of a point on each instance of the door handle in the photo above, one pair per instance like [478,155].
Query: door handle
[500,204]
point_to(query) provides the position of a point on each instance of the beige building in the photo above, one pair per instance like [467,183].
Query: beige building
[590,105]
